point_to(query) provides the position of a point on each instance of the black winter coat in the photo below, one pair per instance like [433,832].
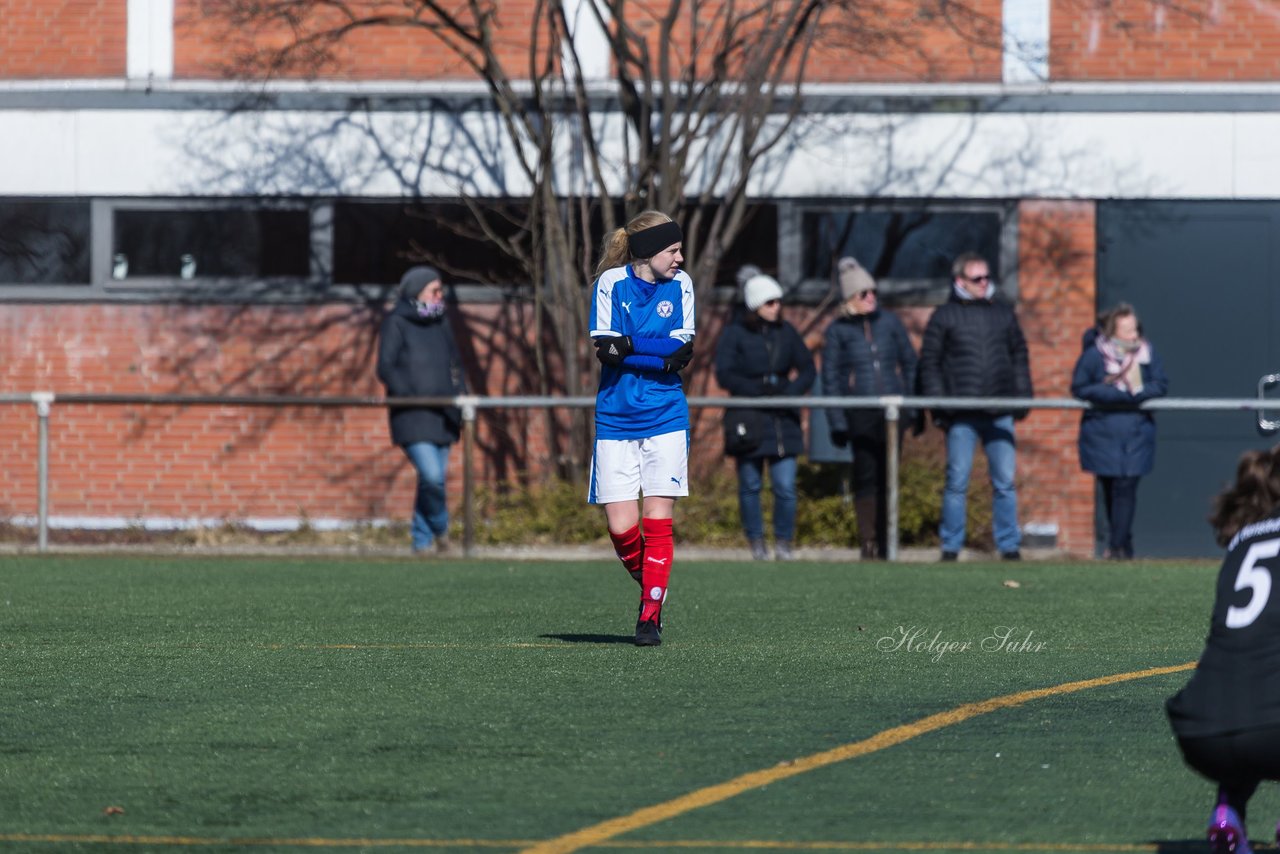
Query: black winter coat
[867,355]
[418,357]
[974,348]
[748,353]
[1120,441]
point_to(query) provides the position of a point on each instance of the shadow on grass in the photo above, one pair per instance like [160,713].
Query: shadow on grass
[591,638]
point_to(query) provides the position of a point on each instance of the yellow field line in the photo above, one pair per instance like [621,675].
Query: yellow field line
[606,830]
[602,835]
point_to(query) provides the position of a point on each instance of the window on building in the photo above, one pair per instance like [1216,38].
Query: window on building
[375,242]
[45,242]
[756,243]
[210,243]
[909,251]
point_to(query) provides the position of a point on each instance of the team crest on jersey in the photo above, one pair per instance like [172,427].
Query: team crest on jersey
[665,308]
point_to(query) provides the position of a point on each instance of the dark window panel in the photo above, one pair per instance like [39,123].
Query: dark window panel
[211,243]
[757,244]
[375,242]
[44,243]
[911,244]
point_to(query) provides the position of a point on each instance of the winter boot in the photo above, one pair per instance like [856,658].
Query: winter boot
[868,517]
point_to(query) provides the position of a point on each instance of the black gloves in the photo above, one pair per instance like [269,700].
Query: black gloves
[840,438]
[771,384]
[680,359]
[611,350]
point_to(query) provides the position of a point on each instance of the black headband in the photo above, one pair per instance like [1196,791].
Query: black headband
[651,241]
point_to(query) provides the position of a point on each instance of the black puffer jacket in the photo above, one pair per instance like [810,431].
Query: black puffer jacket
[748,353]
[974,348]
[867,355]
[418,357]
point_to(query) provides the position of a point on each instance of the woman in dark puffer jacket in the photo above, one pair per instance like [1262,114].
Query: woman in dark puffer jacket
[867,353]
[762,355]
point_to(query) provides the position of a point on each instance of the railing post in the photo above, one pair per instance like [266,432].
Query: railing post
[44,403]
[892,446]
[469,405]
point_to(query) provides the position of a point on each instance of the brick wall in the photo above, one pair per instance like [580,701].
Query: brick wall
[911,41]
[206,45]
[886,40]
[890,40]
[1057,284]
[62,38]
[1143,40]
[206,462]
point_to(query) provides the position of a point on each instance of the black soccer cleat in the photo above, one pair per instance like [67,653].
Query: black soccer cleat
[648,633]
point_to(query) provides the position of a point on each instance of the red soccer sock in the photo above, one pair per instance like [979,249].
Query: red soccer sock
[659,552]
[629,546]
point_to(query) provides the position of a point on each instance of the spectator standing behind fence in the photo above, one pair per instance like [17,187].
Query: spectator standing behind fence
[1118,370]
[762,355]
[1227,718]
[974,347]
[641,321]
[418,357]
[866,353]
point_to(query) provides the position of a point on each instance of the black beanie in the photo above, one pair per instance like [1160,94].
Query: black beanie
[417,278]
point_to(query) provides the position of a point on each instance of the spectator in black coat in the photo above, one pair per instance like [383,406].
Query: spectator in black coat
[1117,370]
[761,355]
[418,357]
[974,347]
[866,353]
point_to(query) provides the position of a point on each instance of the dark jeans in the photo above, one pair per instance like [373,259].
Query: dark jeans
[1237,762]
[1120,499]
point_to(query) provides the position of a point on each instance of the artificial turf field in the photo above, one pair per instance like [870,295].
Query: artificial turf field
[235,704]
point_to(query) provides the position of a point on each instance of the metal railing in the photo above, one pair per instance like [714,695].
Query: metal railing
[470,405]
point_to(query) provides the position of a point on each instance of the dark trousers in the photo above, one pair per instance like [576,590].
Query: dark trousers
[1120,499]
[870,481]
[1237,762]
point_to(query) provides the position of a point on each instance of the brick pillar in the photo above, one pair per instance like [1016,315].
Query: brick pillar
[1057,285]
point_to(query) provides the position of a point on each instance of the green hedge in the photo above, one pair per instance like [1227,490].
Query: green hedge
[557,512]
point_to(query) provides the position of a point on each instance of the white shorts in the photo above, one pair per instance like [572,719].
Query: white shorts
[624,469]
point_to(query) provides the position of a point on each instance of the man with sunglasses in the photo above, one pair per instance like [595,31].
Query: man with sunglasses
[974,347]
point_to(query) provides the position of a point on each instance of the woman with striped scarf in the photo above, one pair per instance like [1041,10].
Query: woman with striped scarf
[1118,370]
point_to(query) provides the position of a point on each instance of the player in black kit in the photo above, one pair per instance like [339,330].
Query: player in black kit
[1227,718]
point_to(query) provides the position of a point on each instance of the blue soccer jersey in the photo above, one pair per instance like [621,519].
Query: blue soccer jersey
[634,403]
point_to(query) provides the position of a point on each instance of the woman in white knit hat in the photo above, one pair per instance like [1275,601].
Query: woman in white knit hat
[761,355]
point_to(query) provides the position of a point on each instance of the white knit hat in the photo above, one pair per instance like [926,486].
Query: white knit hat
[760,289]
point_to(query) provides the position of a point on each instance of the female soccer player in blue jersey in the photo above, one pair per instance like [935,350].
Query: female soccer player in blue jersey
[642,325]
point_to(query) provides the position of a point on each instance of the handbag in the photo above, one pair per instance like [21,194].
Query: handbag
[741,431]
